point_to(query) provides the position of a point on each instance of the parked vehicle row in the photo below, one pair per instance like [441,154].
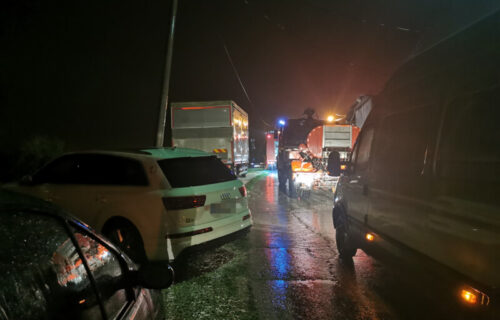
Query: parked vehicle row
[152,203]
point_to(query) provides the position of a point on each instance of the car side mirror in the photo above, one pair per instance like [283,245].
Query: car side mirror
[333,166]
[155,275]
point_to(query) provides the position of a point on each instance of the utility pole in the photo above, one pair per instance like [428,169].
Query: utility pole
[160,135]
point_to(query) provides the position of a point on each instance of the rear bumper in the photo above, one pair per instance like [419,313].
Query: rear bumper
[219,229]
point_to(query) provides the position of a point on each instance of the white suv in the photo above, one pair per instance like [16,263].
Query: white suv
[152,203]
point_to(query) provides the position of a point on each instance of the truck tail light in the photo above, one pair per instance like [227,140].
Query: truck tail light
[243,191]
[179,203]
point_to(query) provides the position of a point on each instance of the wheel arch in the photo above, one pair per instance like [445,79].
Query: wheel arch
[114,220]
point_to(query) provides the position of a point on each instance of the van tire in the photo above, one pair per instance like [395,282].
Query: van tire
[346,245]
[126,237]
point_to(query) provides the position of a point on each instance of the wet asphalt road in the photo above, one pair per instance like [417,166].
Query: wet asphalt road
[296,273]
[287,267]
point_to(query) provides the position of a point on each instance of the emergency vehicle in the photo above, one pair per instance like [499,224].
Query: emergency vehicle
[307,144]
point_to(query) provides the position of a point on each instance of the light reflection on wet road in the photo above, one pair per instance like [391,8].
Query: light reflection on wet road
[295,271]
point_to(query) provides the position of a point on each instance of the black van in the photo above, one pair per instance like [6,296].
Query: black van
[425,171]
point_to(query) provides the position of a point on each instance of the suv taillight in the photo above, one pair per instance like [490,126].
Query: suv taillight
[243,191]
[179,203]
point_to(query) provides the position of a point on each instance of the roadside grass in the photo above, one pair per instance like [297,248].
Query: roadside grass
[216,284]
[223,293]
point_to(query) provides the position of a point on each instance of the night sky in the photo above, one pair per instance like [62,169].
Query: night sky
[90,73]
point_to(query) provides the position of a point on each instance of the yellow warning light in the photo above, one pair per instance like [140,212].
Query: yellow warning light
[469,296]
[370,237]
[330,118]
[343,167]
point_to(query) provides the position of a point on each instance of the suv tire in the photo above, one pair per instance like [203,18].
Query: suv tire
[126,236]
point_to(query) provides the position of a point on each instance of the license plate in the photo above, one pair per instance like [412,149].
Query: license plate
[223,207]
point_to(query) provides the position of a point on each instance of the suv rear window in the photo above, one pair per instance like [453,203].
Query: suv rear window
[197,171]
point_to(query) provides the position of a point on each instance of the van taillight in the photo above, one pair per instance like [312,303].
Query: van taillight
[179,203]
[243,191]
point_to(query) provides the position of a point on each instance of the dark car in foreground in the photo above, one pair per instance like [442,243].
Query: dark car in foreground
[54,266]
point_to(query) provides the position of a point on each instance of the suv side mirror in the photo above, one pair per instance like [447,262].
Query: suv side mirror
[155,275]
[333,166]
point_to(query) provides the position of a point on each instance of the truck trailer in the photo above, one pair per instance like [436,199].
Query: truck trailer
[218,127]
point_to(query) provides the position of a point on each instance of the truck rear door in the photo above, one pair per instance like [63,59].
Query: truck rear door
[206,128]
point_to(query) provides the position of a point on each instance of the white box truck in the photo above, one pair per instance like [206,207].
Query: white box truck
[218,127]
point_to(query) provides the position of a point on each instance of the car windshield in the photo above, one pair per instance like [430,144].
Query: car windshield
[197,171]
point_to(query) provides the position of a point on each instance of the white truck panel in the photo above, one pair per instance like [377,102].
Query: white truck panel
[219,127]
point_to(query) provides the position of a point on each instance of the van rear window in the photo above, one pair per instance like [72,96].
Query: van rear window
[195,171]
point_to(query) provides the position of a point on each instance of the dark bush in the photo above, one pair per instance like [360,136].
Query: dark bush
[32,153]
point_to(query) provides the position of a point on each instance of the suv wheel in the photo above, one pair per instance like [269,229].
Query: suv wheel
[126,236]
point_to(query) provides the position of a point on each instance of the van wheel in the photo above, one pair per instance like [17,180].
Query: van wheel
[126,237]
[345,243]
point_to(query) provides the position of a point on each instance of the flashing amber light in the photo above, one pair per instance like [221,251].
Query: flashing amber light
[343,167]
[82,301]
[330,118]
[370,237]
[299,166]
[469,297]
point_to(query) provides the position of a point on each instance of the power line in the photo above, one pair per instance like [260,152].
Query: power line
[237,74]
